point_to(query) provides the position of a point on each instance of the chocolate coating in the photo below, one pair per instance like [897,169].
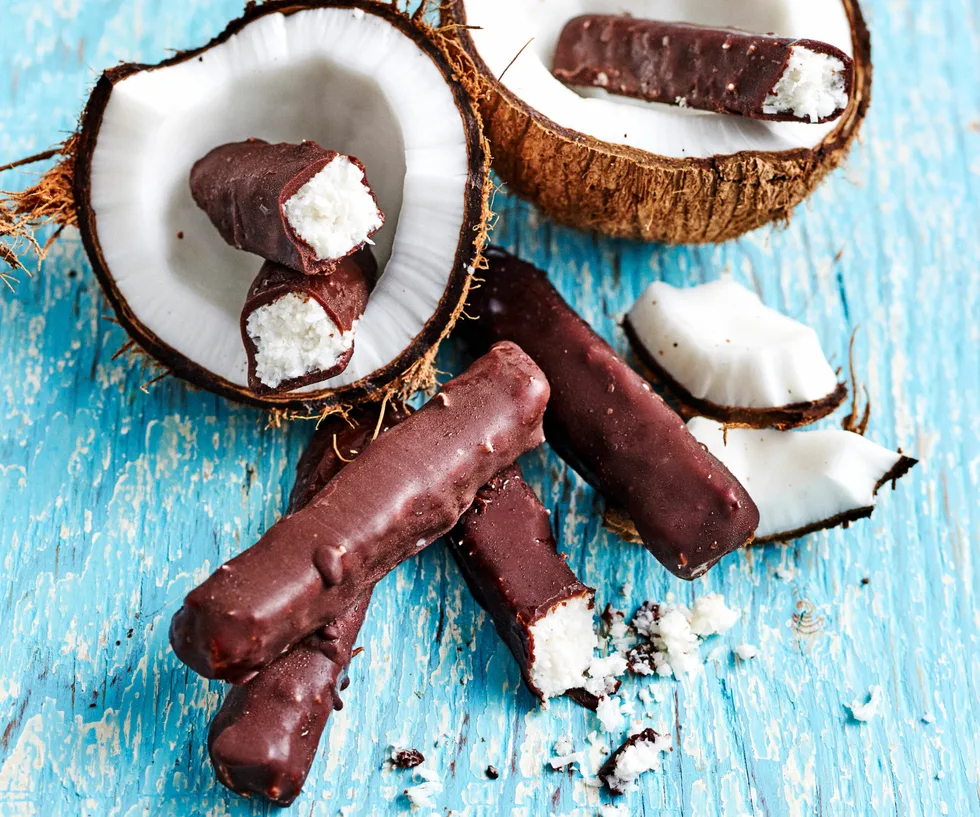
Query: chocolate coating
[712,69]
[265,736]
[408,489]
[506,552]
[343,295]
[607,423]
[243,186]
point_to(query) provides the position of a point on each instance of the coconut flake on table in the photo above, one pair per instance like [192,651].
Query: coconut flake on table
[294,336]
[803,481]
[730,356]
[603,672]
[746,652]
[641,753]
[335,211]
[564,756]
[612,712]
[866,710]
[422,793]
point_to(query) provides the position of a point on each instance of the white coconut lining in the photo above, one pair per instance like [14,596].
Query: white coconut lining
[346,79]
[500,29]
[812,86]
[800,480]
[720,343]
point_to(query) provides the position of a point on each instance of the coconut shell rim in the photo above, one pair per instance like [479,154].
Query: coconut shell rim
[412,368]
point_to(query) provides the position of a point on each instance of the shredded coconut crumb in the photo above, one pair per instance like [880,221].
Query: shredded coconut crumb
[746,651]
[861,711]
[603,673]
[711,616]
[612,714]
[640,754]
[421,794]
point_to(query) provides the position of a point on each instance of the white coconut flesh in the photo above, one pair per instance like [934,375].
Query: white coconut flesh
[346,79]
[501,28]
[563,643]
[294,337]
[800,480]
[812,86]
[334,212]
[720,343]
[636,759]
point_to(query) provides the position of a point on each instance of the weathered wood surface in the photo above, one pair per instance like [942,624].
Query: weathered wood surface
[113,503]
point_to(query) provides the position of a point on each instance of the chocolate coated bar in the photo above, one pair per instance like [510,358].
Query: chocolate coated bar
[408,489]
[713,69]
[244,186]
[605,421]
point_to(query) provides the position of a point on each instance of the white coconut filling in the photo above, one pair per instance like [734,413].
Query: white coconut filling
[563,644]
[799,479]
[723,345]
[294,337]
[334,212]
[502,29]
[811,87]
[635,760]
[339,76]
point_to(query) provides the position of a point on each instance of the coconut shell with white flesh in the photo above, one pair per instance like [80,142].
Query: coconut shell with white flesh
[801,481]
[724,354]
[359,77]
[641,169]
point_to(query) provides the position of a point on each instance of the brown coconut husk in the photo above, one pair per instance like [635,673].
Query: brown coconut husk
[623,192]
[61,197]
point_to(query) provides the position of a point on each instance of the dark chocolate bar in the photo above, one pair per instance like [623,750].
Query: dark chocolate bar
[506,552]
[712,69]
[605,421]
[343,295]
[244,188]
[265,736]
[405,491]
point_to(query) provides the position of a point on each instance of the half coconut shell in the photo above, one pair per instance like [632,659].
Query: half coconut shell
[308,71]
[714,178]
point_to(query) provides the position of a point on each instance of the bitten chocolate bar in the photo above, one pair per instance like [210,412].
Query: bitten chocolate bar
[265,736]
[301,206]
[409,488]
[723,70]
[605,421]
[506,552]
[299,329]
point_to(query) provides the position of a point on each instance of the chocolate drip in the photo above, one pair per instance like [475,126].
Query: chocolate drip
[606,422]
[506,552]
[243,187]
[408,489]
[712,69]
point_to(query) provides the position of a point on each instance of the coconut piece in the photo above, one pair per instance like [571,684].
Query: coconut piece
[644,170]
[506,552]
[300,205]
[723,70]
[803,481]
[725,354]
[409,488]
[299,329]
[406,758]
[606,422]
[266,733]
[640,753]
[361,77]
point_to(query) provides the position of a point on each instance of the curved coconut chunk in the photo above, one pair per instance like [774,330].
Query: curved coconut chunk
[732,357]
[339,76]
[803,481]
[501,28]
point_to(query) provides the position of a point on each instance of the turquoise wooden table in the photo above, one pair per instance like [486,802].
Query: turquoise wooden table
[115,502]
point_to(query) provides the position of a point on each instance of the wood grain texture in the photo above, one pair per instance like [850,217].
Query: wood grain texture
[113,503]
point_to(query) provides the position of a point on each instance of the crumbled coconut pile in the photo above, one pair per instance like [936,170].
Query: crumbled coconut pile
[617,629]
[612,713]
[862,711]
[602,674]
[812,86]
[564,644]
[635,758]
[422,793]
[334,212]
[674,635]
[746,652]
[293,337]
